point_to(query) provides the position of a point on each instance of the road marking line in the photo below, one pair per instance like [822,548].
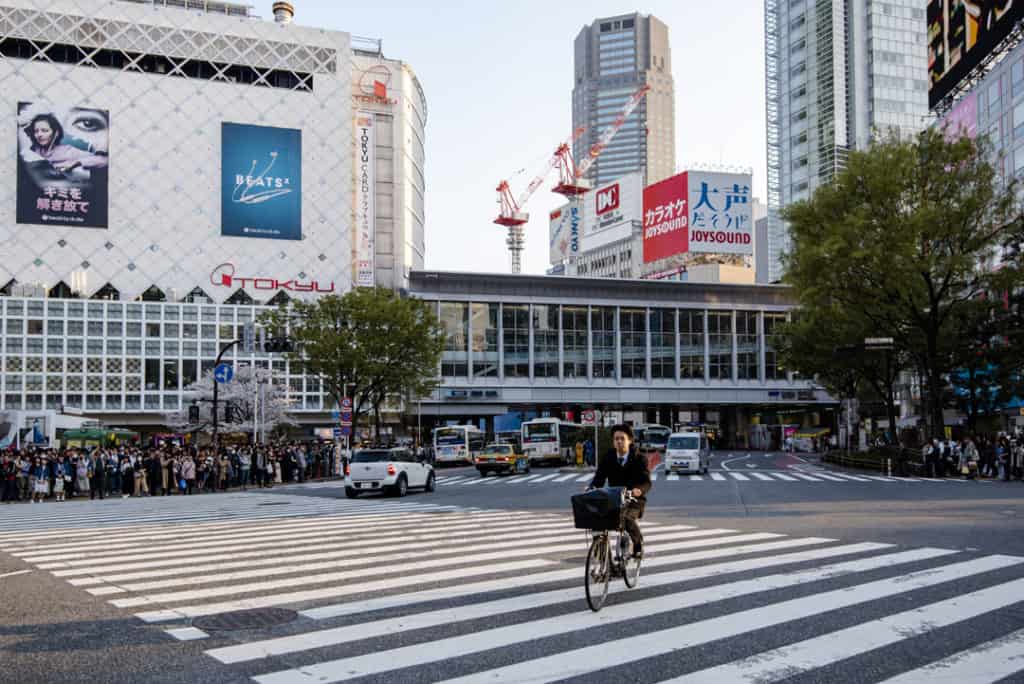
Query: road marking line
[783,476]
[559,666]
[855,478]
[988,662]
[697,478]
[762,476]
[15,573]
[809,478]
[795,659]
[563,478]
[739,476]
[187,633]
[718,477]
[432,618]
[832,478]
[543,478]
[654,561]
[672,477]
[585,478]
[879,478]
[185,612]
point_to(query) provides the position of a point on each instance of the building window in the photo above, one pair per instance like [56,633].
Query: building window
[455,323]
[633,324]
[748,348]
[691,345]
[152,374]
[663,343]
[515,323]
[773,369]
[485,340]
[720,344]
[602,325]
[574,341]
[545,341]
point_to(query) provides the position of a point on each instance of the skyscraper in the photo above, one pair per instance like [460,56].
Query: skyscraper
[613,57]
[837,73]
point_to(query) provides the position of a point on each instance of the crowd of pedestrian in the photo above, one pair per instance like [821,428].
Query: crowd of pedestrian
[986,456]
[38,475]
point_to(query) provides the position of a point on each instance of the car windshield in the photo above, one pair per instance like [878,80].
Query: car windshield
[373,456]
[686,442]
[540,432]
[500,449]
[449,436]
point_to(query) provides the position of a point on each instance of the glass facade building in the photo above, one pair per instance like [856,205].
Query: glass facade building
[837,72]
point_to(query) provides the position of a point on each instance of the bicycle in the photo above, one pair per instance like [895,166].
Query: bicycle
[606,560]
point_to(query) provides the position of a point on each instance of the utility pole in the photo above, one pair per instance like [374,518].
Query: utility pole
[216,418]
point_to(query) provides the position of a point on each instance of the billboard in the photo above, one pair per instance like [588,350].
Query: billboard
[261,181]
[665,218]
[963,118]
[564,232]
[721,213]
[365,206]
[610,210]
[63,160]
[961,33]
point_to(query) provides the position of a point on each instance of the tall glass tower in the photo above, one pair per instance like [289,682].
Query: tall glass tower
[837,73]
[613,57]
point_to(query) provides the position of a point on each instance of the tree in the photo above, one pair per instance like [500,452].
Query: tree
[369,344]
[274,406]
[898,243]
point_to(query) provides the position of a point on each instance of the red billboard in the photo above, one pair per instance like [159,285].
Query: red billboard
[666,218]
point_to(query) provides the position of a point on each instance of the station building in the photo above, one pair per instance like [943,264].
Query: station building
[666,352]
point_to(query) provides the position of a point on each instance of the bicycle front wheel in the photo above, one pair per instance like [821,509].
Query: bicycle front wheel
[598,573]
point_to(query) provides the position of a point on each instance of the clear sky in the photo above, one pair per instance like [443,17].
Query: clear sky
[498,79]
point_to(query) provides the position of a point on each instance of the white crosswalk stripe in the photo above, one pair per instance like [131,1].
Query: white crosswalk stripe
[392,589]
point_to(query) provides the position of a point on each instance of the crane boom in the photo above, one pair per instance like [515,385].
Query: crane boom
[608,133]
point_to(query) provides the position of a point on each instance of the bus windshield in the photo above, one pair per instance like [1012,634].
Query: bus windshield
[540,432]
[684,442]
[450,436]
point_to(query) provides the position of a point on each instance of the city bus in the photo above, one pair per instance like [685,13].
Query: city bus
[458,443]
[650,437]
[552,440]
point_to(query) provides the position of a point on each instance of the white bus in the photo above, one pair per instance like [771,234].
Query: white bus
[458,443]
[551,440]
[650,438]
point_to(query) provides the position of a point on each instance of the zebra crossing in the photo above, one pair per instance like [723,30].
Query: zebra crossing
[405,591]
[750,476]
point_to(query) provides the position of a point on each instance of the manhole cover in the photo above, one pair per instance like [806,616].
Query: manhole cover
[245,619]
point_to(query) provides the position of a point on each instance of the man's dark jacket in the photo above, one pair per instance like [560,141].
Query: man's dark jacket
[633,475]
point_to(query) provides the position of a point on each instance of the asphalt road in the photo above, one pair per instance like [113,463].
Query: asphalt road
[789,576]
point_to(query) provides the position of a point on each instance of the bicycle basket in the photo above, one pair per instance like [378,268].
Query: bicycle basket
[599,509]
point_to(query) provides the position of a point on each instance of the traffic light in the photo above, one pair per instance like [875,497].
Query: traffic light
[193,413]
[278,345]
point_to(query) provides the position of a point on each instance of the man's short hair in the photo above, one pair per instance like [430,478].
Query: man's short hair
[624,429]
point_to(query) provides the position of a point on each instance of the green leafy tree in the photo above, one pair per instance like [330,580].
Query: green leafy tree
[898,243]
[369,344]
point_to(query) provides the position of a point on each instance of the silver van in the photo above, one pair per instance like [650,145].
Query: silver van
[687,452]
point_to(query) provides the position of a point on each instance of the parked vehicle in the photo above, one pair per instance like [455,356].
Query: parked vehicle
[687,452]
[392,471]
[501,458]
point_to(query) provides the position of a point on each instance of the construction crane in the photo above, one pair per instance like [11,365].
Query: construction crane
[511,214]
[571,182]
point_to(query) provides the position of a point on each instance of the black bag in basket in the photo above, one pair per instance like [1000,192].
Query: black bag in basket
[598,509]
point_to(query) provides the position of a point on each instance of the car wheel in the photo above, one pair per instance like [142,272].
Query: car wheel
[401,487]
[351,493]
[431,485]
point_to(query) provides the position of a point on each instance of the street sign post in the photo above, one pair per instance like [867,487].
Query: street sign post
[223,373]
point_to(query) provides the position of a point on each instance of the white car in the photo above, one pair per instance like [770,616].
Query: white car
[394,471]
[687,452]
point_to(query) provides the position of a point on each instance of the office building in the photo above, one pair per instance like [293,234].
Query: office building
[613,57]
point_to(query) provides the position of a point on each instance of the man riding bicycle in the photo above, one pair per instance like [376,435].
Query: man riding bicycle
[622,466]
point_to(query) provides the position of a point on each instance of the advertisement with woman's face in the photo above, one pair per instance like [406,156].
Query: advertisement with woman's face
[63,158]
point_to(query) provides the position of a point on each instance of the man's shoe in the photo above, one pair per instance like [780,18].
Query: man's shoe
[638,551]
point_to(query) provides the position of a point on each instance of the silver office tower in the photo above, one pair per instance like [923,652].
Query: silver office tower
[838,72]
[614,56]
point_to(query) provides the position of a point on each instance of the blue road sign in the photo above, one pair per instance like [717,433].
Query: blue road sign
[346,404]
[346,430]
[223,373]
[337,432]
[335,415]
[346,418]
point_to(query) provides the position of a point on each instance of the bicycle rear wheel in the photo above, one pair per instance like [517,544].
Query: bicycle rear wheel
[598,573]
